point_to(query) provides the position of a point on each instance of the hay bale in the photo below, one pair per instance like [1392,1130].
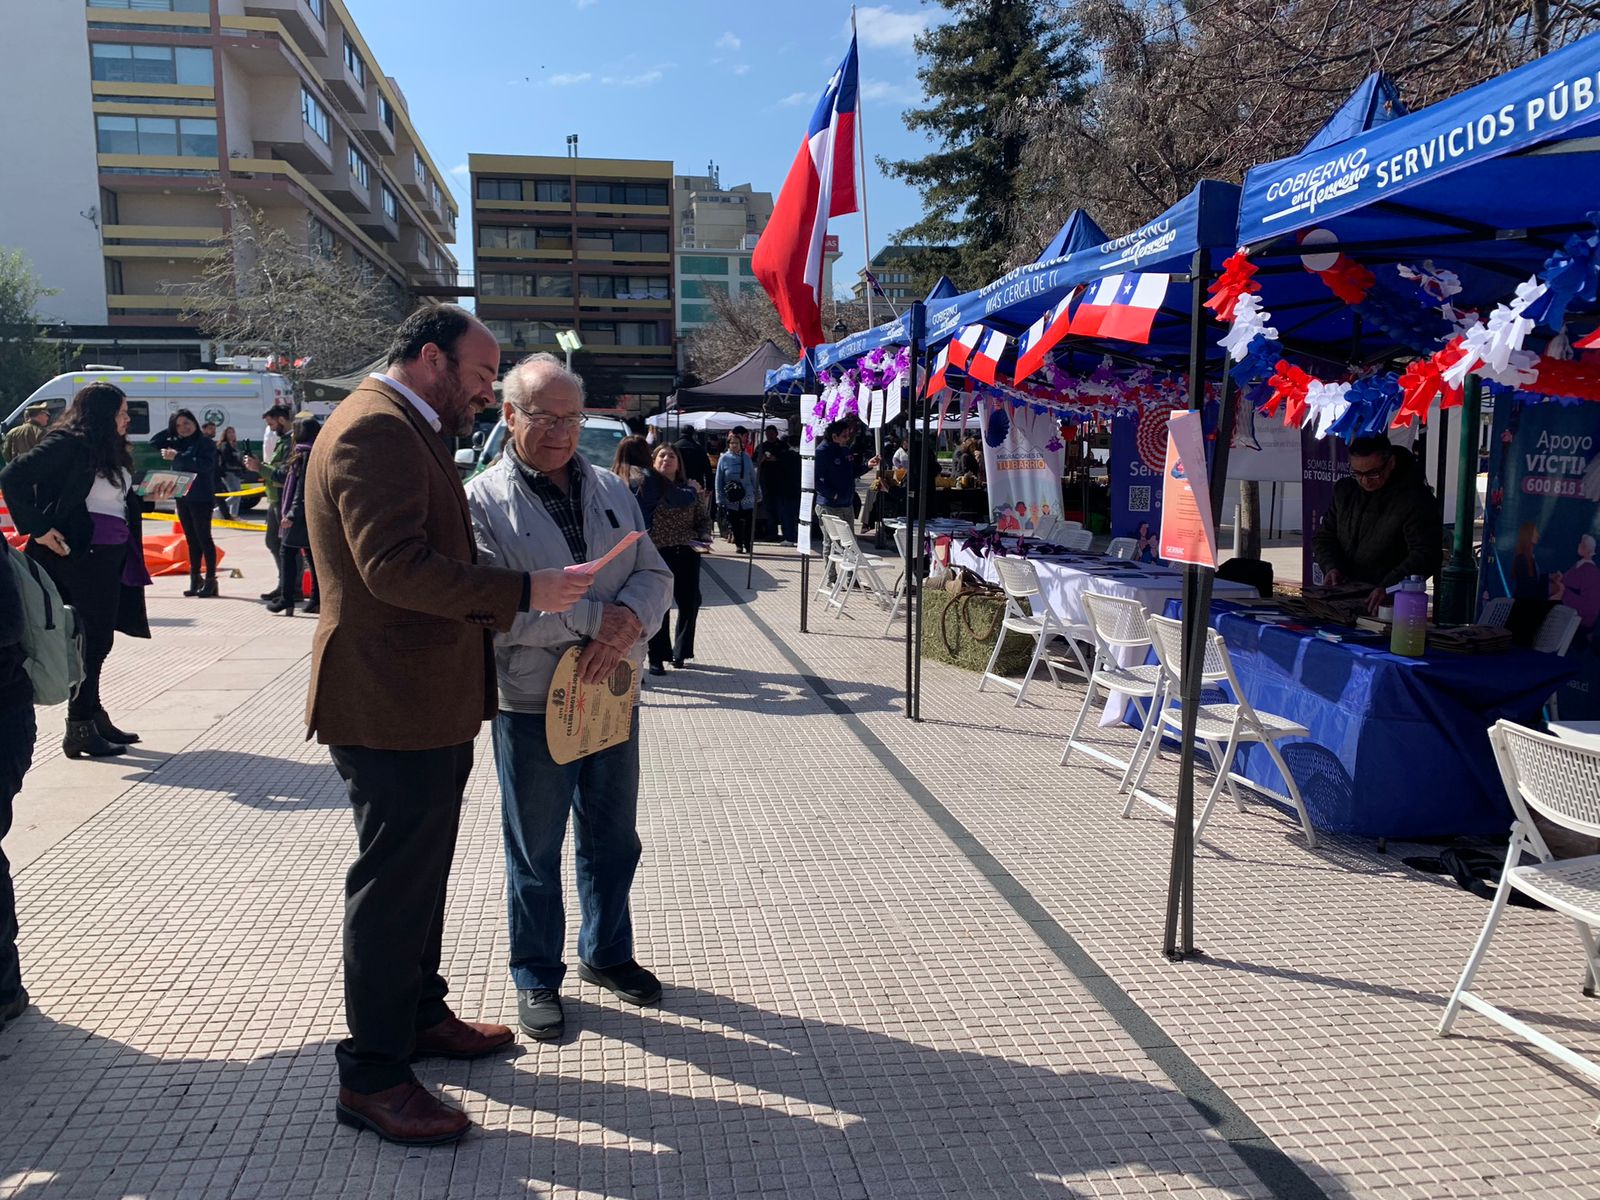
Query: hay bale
[954,627]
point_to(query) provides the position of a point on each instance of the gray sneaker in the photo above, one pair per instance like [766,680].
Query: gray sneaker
[540,1015]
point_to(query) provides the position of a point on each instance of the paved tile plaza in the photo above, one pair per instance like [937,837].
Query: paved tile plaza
[901,961]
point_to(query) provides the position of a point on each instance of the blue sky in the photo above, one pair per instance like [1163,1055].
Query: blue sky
[686,80]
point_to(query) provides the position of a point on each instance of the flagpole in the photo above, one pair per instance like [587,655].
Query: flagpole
[861,194]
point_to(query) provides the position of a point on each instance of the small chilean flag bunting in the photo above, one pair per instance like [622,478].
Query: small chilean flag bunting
[1592,342]
[984,365]
[1122,307]
[966,341]
[1035,345]
[936,372]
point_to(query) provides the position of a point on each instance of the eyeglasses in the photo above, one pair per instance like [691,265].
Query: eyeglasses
[543,422]
[1374,474]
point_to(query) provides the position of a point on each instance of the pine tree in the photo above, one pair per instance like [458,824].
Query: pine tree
[993,56]
[27,357]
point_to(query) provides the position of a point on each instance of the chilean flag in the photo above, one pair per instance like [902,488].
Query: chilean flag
[1041,337]
[1592,342]
[821,184]
[963,345]
[1123,307]
[984,365]
[936,373]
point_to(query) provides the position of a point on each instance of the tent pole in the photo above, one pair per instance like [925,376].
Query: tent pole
[1457,600]
[1179,943]
[916,531]
[750,560]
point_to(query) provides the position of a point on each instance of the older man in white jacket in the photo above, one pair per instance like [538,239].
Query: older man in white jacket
[543,506]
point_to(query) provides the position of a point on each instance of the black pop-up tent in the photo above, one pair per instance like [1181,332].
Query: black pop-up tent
[741,389]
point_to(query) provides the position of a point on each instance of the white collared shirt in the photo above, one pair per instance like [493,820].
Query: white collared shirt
[417,402]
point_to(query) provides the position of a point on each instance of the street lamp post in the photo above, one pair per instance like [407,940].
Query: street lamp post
[569,341]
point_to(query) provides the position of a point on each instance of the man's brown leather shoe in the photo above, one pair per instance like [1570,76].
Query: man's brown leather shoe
[455,1038]
[407,1114]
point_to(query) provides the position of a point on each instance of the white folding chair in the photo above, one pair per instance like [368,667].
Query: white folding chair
[1028,612]
[1075,539]
[1556,631]
[1047,529]
[1119,629]
[832,557]
[1123,548]
[854,565]
[1496,612]
[898,598]
[1559,780]
[1068,526]
[1221,728]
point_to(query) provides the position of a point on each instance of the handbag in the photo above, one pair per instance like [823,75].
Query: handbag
[733,490]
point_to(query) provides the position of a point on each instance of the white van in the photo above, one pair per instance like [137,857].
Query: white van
[236,398]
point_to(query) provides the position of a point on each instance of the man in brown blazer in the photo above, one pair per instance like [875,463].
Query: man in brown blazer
[402,677]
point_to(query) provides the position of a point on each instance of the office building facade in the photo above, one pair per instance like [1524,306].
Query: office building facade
[126,116]
[581,244]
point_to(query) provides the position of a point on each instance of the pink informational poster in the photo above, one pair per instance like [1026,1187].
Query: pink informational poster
[1187,532]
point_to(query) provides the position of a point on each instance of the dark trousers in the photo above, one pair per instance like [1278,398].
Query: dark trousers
[196,522]
[91,581]
[17,730]
[684,563]
[273,542]
[407,809]
[740,521]
[289,574]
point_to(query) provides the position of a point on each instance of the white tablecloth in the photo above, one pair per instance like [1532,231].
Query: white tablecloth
[1064,580]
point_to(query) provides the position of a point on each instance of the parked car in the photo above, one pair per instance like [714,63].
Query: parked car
[597,443]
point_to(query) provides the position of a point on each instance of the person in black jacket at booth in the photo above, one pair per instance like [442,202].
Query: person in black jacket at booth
[188,449]
[17,730]
[293,534]
[72,494]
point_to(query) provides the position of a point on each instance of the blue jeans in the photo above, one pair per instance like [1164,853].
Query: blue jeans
[536,794]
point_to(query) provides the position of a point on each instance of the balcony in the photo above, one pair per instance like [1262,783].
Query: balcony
[377,224]
[344,187]
[281,127]
[412,250]
[297,19]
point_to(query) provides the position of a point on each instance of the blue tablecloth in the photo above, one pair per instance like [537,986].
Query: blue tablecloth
[1399,746]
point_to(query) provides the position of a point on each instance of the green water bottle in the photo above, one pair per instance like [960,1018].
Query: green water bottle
[1409,635]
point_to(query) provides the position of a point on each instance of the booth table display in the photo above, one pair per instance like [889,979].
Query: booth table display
[1399,746]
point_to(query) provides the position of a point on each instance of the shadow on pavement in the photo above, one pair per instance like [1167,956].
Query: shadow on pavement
[841,1112]
[255,780]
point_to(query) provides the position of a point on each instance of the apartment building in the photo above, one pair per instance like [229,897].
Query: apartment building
[124,116]
[717,228]
[582,244]
[895,280]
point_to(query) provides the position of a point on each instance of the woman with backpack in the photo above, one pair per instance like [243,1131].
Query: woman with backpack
[679,520]
[73,496]
[188,449]
[293,537]
[738,490]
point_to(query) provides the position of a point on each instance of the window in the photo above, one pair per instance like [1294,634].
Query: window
[502,237]
[623,333]
[438,197]
[746,269]
[138,416]
[499,189]
[624,241]
[623,287]
[116,63]
[391,205]
[386,113]
[420,167]
[114,277]
[696,314]
[522,334]
[359,170]
[702,289]
[352,59]
[554,287]
[317,11]
[322,239]
[702,264]
[313,114]
[166,136]
[620,193]
[183,6]
[552,191]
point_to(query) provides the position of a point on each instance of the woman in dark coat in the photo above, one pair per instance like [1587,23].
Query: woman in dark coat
[188,449]
[678,516]
[293,538]
[72,495]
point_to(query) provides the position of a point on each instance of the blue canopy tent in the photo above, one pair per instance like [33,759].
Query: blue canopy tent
[1488,184]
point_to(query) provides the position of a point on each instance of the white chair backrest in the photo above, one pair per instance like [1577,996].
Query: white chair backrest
[1017,576]
[841,540]
[901,537]
[1118,621]
[1556,778]
[1496,613]
[1122,547]
[1167,636]
[1047,529]
[1065,526]
[1076,539]
[1557,630]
